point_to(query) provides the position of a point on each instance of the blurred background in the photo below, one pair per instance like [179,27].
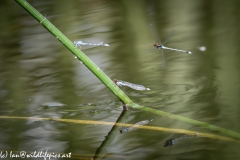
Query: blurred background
[39,77]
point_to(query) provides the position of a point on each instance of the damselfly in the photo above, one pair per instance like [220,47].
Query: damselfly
[141,123]
[161,46]
[121,83]
[79,43]
[171,142]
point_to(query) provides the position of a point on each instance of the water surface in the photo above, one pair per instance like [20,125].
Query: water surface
[41,78]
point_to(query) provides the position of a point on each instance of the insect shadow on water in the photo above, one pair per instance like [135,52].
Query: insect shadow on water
[172,141]
[161,46]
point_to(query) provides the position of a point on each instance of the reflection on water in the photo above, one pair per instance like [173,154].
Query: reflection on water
[40,78]
[171,142]
[141,123]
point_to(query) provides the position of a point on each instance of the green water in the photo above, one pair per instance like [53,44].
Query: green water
[39,78]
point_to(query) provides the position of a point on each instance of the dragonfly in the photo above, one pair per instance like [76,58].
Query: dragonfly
[171,142]
[79,43]
[121,83]
[128,129]
[161,46]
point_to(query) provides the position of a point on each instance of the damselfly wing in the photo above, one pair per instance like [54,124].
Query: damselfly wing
[79,43]
[121,83]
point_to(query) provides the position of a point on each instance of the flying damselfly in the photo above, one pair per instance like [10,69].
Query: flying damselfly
[161,46]
[121,83]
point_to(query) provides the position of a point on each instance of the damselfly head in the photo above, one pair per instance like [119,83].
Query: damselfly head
[115,80]
[157,45]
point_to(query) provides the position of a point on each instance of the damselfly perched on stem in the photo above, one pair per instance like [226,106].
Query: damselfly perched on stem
[79,43]
[141,123]
[121,83]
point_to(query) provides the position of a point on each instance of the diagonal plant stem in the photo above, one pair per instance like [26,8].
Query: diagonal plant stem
[106,80]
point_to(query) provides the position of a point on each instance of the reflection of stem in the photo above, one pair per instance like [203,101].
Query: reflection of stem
[101,151]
